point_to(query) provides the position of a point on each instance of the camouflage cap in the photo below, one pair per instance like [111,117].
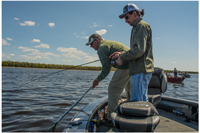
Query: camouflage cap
[92,38]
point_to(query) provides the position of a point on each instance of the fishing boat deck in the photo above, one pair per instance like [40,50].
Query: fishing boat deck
[169,122]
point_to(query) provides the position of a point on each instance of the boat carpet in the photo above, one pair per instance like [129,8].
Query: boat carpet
[169,122]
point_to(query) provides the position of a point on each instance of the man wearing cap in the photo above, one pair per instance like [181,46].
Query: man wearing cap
[120,79]
[140,55]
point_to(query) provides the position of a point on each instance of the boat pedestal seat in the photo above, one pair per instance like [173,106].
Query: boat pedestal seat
[154,95]
[135,116]
[157,85]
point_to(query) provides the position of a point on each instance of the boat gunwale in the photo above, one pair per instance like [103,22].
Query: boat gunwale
[181,101]
[104,102]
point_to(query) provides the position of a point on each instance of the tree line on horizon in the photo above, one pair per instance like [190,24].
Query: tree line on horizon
[55,66]
[49,66]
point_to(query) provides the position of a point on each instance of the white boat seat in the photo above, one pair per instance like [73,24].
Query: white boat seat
[157,85]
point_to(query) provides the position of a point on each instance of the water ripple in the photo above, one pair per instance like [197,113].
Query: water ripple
[37,105]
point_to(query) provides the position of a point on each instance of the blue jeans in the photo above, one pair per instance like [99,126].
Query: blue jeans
[139,86]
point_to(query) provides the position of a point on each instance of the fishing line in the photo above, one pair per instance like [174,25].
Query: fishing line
[54,126]
[54,73]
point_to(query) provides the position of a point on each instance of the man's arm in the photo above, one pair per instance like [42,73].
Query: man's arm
[138,46]
[105,61]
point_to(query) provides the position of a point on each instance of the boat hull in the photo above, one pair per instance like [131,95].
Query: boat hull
[81,121]
[175,79]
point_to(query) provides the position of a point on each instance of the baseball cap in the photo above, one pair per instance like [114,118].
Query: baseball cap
[129,7]
[92,38]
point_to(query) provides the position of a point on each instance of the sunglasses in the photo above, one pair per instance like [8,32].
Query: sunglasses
[126,18]
[92,42]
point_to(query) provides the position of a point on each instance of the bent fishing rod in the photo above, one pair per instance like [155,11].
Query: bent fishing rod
[53,127]
[57,72]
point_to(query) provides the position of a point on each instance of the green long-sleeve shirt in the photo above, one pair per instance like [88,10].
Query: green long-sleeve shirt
[105,49]
[140,55]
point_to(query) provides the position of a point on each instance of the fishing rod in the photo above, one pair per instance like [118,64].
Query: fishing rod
[53,127]
[55,73]
[60,71]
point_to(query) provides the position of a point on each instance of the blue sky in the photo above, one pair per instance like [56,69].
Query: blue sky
[55,32]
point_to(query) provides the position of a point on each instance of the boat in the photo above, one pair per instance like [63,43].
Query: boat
[175,79]
[160,114]
[185,75]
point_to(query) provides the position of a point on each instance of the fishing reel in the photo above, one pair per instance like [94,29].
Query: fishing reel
[113,62]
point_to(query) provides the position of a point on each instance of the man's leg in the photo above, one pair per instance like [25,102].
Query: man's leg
[139,86]
[116,86]
[128,90]
[145,83]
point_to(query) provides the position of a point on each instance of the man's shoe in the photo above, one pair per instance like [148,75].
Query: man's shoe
[107,123]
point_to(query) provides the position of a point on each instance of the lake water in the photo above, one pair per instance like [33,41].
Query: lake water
[36,106]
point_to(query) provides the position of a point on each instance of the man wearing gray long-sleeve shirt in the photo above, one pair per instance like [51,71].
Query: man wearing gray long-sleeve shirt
[120,79]
[140,55]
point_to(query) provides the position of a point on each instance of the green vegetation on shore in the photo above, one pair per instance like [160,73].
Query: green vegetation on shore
[54,66]
[49,66]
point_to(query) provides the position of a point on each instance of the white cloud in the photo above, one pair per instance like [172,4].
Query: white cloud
[83,33]
[27,23]
[44,55]
[10,39]
[85,37]
[35,40]
[27,57]
[16,18]
[110,25]
[43,46]
[77,55]
[72,53]
[90,58]
[95,25]
[174,62]
[26,49]
[4,42]
[12,54]
[101,32]
[4,55]
[38,56]
[36,53]
[61,49]
[64,60]
[51,24]
[157,38]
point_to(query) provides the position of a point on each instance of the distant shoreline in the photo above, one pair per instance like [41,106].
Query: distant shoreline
[49,68]
[16,64]
[166,71]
